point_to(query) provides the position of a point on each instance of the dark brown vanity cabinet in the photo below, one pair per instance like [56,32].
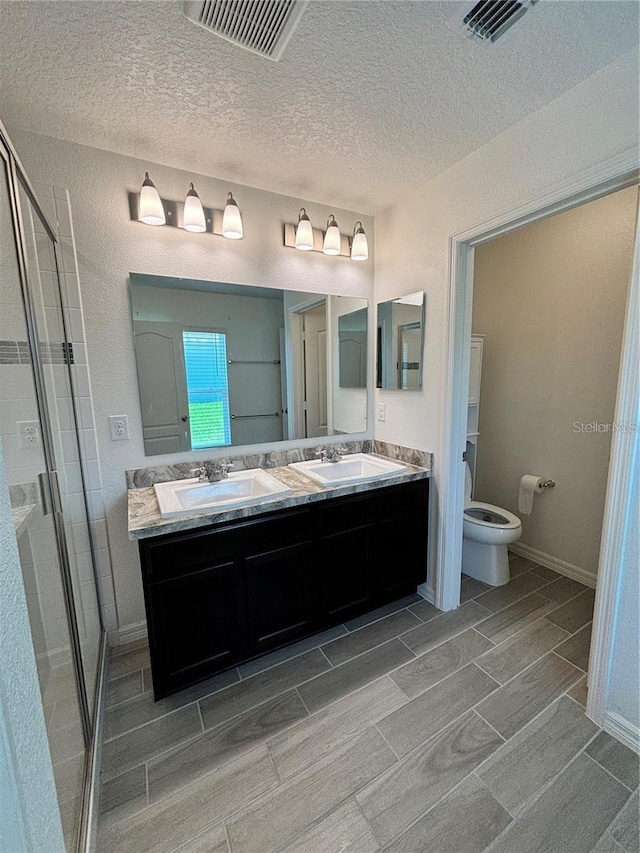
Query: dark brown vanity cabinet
[232,591]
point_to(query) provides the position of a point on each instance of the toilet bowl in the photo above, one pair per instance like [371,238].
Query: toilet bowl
[486,532]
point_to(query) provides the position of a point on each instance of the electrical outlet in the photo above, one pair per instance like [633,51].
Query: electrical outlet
[381,411]
[29,434]
[118,427]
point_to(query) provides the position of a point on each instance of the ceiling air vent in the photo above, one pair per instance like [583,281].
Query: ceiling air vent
[488,20]
[261,26]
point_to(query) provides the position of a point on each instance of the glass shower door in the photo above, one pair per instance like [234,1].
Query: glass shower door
[30,459]
[58,359]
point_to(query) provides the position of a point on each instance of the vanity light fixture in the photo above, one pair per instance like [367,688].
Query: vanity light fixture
[332,243]
[304,232]
[359,245]
[231,220]
[302,235]
[147,206]
[193,216]
[151,209]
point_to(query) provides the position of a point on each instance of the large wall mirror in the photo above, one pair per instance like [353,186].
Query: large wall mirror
[400,343]
[222,365]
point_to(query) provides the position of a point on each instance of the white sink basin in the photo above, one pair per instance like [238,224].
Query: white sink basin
[355,468]
[240,488]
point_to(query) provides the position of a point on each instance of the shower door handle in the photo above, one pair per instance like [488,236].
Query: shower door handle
[49,486]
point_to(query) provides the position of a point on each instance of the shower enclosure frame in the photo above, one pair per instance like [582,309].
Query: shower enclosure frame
[91,718]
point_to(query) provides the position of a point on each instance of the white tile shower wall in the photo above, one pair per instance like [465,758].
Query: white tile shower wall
[55,203]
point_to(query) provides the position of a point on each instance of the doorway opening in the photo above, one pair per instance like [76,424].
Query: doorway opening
[598,182]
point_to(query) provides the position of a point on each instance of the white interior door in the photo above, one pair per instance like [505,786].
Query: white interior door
[315,361]
[163,389]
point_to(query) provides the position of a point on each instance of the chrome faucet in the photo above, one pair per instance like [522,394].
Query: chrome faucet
[212,472]
[333,453]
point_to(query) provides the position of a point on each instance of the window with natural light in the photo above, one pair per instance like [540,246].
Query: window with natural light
[205,359]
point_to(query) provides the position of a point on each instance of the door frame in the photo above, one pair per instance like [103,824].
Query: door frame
[613,174]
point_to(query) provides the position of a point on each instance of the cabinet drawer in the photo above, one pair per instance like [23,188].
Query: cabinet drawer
[176,555]
[402,500]
[370,507]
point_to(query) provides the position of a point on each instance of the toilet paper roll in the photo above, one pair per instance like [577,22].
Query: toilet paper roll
[530,484]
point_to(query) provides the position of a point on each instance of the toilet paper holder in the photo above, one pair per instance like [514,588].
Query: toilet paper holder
[548,484]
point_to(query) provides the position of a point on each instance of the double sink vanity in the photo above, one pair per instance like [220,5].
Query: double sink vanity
[259,558]
[238,563]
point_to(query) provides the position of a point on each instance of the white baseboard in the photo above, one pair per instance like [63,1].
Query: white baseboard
[427,592]
[128,634]
[560,566]
[622,730]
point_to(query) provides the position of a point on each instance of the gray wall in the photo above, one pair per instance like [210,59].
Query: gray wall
[551,300]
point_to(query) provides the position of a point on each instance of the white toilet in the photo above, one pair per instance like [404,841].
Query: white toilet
[486,531]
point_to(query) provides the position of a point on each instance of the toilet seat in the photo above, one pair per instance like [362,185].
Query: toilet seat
[511,521]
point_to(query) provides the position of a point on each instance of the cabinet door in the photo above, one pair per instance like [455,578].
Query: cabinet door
[196,626]
[402,554]
[346,574]
[280,601]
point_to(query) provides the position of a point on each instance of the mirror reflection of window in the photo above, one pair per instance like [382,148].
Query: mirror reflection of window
[205,361]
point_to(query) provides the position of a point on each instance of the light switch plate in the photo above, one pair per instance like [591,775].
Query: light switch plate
[381,412]
[118,427]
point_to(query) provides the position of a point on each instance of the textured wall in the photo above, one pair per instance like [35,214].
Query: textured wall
[594,121]
[551,300]
[109,246]
[29,816]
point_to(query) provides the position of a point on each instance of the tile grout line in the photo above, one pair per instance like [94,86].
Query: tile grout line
[436,804]
[608,772]
[227,835]
[530,723]
[304,704]
[274,765]
[575,701]
[377,728]
[106,740]
[154,756]
[543,654]
[200,716]
[545,787]
[478,714]
[323,653]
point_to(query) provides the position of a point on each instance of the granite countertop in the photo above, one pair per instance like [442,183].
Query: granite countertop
[145,519]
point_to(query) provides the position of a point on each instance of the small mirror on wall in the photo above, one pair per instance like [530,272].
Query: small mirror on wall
[400,343]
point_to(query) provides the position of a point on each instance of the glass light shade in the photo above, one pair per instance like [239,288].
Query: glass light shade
[151,210]
[193,215]
[332,241]
[304,232]
[231,220]
[359,244]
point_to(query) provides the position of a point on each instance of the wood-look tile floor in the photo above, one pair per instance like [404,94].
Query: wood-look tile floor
[404,731]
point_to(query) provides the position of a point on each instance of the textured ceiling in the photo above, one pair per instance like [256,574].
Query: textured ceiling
[369,98]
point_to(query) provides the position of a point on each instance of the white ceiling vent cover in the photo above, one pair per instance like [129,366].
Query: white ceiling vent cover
[485,22]
[261,26]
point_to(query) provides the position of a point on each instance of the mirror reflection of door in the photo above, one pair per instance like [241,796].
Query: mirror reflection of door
[163,391]
[409,345]
[315,370]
